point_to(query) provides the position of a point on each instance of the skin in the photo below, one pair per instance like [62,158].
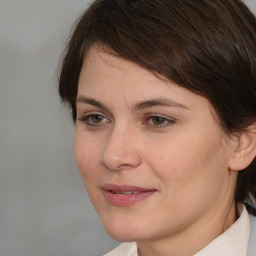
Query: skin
[183,155]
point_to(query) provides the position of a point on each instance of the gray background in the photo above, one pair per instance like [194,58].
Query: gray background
[44,209]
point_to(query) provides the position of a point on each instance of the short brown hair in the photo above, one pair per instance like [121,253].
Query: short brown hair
[205,46]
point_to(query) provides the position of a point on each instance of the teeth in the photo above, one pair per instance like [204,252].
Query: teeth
[128,193]
[125,192]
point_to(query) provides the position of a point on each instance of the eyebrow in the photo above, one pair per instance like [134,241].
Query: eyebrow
[162,102]
[93,102]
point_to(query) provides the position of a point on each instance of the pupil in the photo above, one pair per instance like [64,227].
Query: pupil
[97,118]
[158,120]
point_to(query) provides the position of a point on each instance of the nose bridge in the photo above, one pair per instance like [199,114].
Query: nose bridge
[121,148]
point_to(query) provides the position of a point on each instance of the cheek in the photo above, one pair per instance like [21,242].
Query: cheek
[87,159]
[189,165]
[86,155]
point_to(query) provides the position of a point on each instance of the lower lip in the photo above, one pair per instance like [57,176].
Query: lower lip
[126,200]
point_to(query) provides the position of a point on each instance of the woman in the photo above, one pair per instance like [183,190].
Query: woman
[163,95]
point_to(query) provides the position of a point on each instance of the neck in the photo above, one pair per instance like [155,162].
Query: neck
[193,239]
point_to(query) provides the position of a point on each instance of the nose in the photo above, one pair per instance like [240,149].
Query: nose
[121,150]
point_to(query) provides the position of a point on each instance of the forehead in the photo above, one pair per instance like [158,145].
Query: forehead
[103,70]
[103,67]
[108,63]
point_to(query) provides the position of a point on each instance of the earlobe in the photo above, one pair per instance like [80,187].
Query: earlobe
[245,152]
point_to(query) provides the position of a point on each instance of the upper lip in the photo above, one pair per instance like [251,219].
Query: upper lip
[125,188]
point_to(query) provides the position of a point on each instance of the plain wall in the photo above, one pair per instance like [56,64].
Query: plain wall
[44,208]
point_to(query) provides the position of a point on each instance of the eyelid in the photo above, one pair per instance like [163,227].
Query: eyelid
[93,112]
[160,115]
[84,108]
[170,120]
[84,118]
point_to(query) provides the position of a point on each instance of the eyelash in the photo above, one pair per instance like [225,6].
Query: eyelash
[87,120]
[167,121]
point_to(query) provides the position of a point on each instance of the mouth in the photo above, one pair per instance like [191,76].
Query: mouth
[125,195]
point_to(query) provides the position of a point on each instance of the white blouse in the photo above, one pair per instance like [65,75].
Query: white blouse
[234,241]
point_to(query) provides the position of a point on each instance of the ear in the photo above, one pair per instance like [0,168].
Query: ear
[245,150]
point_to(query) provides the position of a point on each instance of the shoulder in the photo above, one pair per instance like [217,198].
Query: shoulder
[252,239]
[124,249]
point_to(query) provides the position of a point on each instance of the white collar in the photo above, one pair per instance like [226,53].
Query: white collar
[234,241]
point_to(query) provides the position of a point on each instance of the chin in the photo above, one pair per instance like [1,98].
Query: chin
[123,237]
[124,231]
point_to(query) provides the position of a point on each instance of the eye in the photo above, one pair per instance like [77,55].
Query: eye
[157,121]
[94,119]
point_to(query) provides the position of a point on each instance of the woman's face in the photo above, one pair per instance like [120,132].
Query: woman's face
[151,155]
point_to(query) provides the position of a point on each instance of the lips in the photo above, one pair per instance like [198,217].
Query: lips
[125,195]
